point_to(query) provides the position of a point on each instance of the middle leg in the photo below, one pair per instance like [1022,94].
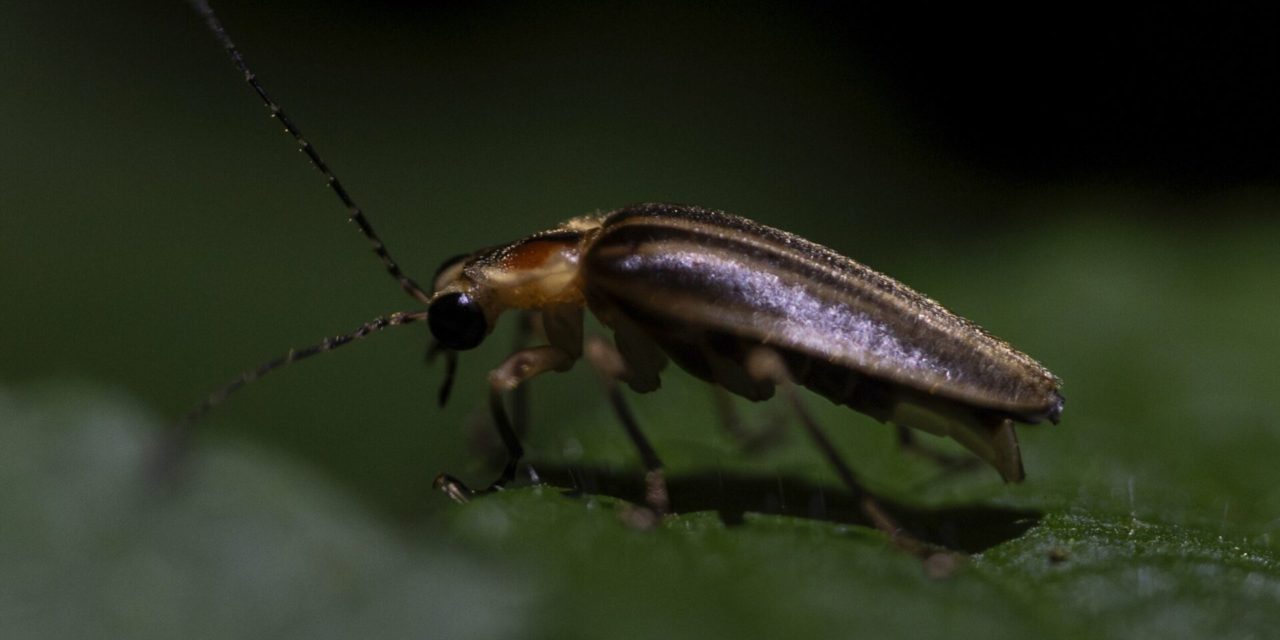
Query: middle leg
[610,364]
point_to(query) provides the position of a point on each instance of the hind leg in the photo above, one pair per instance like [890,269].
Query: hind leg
[766,365]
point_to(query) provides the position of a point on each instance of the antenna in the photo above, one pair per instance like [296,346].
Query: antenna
[174,441]
[354,212]
[164,461]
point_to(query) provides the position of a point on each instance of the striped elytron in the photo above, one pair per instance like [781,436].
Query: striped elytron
[740,305]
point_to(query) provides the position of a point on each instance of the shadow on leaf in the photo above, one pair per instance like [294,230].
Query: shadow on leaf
[970,529]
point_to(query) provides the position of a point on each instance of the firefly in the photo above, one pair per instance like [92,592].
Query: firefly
[751,309]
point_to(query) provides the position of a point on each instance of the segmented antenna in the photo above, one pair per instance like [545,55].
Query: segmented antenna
[354,213]
[176,438]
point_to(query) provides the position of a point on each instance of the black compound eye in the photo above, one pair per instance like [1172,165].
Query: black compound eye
[457,321]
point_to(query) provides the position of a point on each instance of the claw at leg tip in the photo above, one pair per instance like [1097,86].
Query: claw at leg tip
[453,488]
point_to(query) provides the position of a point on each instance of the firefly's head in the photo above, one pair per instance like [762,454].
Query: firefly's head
[472,291]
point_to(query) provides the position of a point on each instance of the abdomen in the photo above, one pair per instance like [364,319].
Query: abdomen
[708,286]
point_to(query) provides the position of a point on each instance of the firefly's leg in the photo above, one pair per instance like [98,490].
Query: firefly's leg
[764,364]
[520,395]
[610,364]
[516,369]
[479,430]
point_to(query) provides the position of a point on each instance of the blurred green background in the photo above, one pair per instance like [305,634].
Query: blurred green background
[1108,207]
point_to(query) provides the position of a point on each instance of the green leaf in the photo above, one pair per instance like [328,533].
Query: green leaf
[245,547]
[248,545]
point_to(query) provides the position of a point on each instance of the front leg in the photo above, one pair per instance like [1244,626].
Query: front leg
[562,325]
[514,371]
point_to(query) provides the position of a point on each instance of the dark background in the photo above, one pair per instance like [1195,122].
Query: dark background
[1096,185]
[162,235]
[1174,98]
